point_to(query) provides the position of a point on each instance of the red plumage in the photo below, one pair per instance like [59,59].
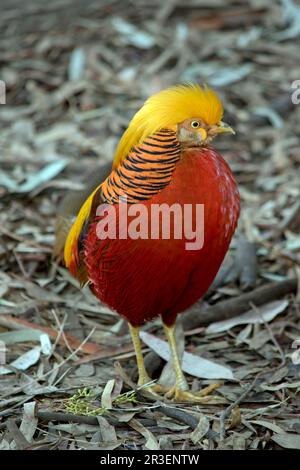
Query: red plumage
[141,279]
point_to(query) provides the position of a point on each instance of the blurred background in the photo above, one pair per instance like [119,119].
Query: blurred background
[75,73]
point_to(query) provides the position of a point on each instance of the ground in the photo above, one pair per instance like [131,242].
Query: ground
[75,73]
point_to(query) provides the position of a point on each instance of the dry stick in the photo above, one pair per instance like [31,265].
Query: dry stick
[186,418]
[18,238]
[259,296]
[228,410]
[56,367]
[15,323]
[61,332]
[272,336]
[233,307]
[47,416]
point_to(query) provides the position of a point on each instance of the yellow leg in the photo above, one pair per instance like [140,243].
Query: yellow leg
[143,376]
[181,382]
[180,390]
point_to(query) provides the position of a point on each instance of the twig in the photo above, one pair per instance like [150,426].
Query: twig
[21,266]
[18,238]
[228,410]
[61,332]
[58,366]
[186,418]
[272,336]
[19,323]
[47,416]
[233,307]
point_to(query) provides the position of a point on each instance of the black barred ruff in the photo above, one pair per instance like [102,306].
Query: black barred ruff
[147,170]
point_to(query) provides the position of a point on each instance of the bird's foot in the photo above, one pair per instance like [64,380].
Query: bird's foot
[147,386]
[144,380]
[178,395]
[181,394]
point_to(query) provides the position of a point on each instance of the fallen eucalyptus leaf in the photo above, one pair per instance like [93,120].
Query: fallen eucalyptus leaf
[264,314]
[288,441]
[46,174]
[29,420]
[201,430]
[23,362]
[191,364]
[268,425]
[106,399]
[151,442]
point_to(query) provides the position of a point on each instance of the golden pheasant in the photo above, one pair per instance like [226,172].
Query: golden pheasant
[164,160]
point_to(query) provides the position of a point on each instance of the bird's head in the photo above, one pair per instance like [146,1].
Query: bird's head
[193,112]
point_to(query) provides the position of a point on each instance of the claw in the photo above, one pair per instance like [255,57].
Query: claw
[177,395]
[206,390]
[155,391]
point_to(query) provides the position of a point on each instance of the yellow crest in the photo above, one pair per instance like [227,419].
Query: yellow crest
[166,109]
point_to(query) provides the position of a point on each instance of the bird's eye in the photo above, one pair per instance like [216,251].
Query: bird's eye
[195,124]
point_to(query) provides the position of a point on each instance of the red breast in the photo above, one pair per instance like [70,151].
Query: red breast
[143,278]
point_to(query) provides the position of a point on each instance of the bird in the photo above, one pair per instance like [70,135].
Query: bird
[163,159]
[70,205]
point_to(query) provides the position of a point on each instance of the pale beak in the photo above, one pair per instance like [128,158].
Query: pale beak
[221,128]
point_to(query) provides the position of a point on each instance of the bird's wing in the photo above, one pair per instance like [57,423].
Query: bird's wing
[147,170]
[74,242]
[70,206]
